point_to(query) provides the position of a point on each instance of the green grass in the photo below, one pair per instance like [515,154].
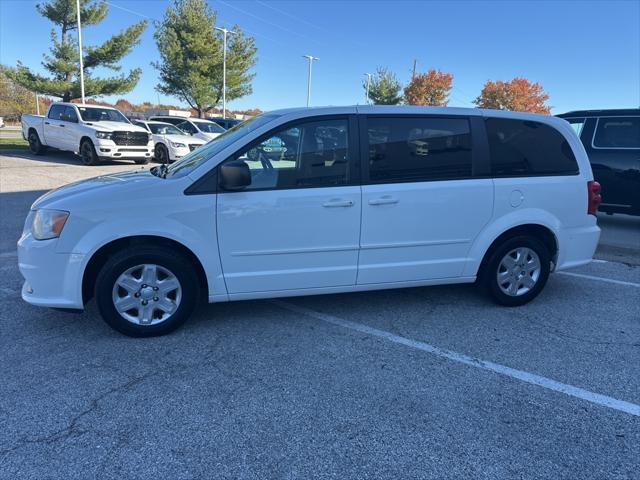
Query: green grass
[13,144]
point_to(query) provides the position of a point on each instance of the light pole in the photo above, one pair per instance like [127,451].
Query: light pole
[311,58]
[37,105]
[80,50]
[224,68]
[368,75]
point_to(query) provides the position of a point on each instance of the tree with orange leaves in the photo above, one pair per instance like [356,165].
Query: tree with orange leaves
[519,95]
[430,88]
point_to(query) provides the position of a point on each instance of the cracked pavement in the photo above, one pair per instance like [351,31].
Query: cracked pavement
[251,390]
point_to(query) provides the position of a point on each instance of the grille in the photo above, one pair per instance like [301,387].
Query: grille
[130,138]
[132,149]
[193,146]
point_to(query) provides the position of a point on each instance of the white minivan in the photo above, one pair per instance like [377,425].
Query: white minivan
[321,200]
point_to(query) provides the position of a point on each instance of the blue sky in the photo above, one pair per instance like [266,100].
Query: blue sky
[586,54]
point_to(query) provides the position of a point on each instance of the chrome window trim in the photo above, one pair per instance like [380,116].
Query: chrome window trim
[595,130]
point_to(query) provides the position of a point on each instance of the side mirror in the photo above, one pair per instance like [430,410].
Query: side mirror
[235,175]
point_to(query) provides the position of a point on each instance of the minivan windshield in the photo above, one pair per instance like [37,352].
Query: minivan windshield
[191,161]
[94,114]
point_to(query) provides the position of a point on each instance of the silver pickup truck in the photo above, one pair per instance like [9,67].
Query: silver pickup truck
[91,131]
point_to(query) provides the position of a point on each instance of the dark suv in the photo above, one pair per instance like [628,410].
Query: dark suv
[612,141]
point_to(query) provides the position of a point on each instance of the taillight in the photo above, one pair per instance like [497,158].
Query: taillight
[595,199]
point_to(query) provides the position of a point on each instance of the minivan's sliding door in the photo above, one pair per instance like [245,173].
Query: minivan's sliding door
[421,207]
[297,225]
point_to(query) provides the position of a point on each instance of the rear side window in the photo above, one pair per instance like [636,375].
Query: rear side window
[521,148]
[617,132]
[56,111]
[416,149]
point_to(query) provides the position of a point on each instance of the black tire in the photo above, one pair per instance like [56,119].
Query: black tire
[142,161]
[492,267]
[35,145]
[170,260]
[161,154]
[88,153]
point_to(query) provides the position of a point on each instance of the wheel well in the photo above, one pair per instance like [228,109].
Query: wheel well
[537,231]
[32,129]
[103,253]
[83,139]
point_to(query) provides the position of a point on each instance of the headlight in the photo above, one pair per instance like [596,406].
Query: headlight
[177,145]
[105,135]
[48,223]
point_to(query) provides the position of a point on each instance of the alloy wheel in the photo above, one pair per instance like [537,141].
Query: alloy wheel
[519,271]
[147,294]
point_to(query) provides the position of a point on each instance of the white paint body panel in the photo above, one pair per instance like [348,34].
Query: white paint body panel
[289,239]
[412,231]
[285,242]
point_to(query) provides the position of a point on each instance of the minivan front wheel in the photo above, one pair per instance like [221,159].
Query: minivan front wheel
[146,291]
[517,270]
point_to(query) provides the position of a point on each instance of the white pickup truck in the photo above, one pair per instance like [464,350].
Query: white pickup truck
[91,131]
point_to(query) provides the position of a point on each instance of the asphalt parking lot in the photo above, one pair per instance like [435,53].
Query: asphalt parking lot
[418,383]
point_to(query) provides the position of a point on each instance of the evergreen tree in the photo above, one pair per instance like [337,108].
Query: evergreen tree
[191,57]
[385,89]
[63,61]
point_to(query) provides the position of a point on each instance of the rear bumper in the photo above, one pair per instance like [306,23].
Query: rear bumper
[577,246]
[51,279]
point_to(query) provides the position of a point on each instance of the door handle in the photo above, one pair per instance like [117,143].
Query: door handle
[385,200]
[47,123]
[62,126]
[338,203]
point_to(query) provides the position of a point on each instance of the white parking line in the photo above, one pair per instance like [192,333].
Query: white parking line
[601,279]
[531,378]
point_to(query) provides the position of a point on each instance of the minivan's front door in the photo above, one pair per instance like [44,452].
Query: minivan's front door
[297,225]
[422,208]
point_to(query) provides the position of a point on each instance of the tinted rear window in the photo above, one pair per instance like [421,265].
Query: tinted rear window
[617,132]
[415,149]
[521,147]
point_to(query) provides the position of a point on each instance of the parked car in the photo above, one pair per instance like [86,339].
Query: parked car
[1,122]
[196,127]
[170,142]
[94,132]
[225,123]
[497,197]
[612,141]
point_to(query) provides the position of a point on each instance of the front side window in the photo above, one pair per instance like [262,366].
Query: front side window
[520,148]
[194,159]
[187,127]
[311,154]
[56,112]
[617,132]
[416,149]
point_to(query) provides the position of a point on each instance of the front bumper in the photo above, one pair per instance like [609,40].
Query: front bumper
[108,149]
[51,279]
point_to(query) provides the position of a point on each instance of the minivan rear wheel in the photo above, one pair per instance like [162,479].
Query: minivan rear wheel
[517,270]
[146,291]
